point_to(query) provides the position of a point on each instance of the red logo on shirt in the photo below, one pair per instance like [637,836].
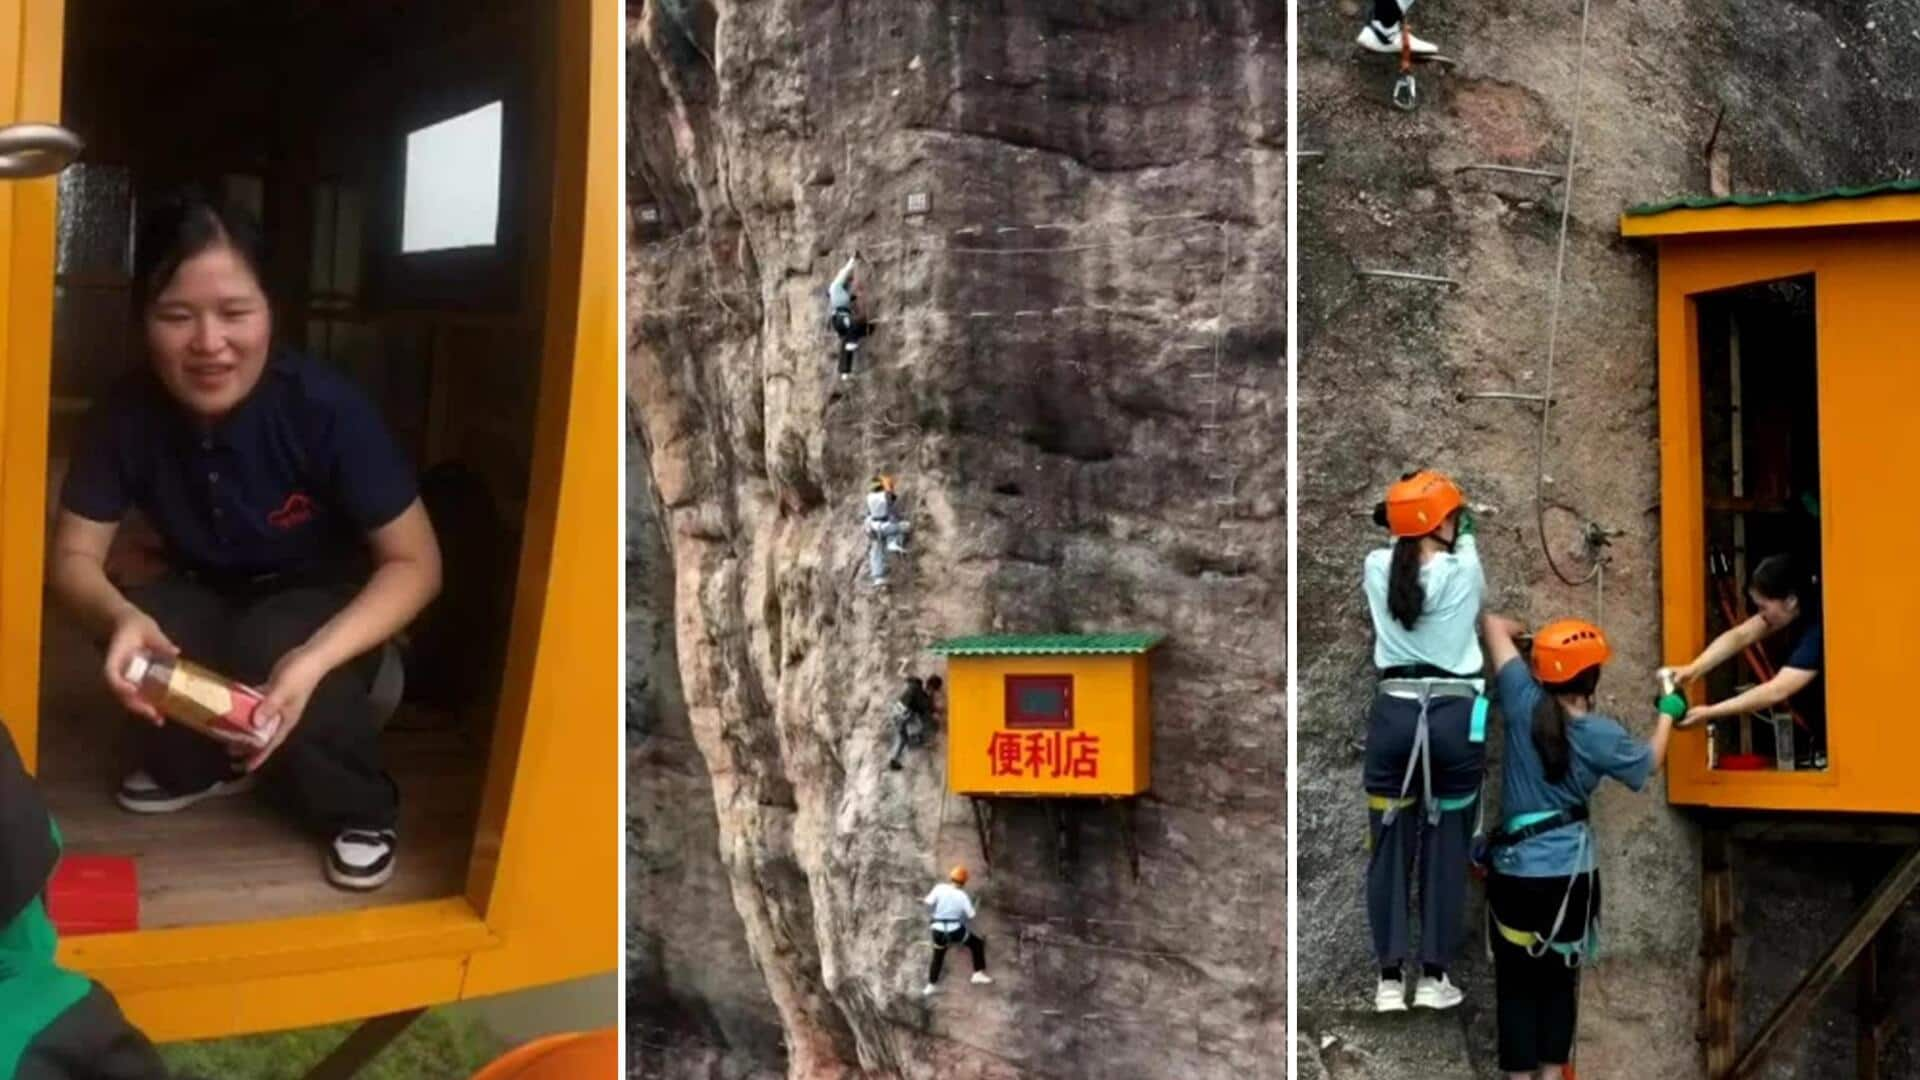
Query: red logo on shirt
[295,512]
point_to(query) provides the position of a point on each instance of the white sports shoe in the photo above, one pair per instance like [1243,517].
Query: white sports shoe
[1386,39]
[1390,995]
[981,978]
[928,990]
[1438,993]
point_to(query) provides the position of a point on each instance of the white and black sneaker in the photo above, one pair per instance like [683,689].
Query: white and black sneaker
[1386,39]
[361,858]
[142,795]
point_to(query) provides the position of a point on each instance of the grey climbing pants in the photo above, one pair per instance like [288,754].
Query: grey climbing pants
[883,535]
[1401,840]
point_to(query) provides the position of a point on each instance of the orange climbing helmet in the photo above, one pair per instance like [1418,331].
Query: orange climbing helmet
[881,482]
[566,1056]
[1419,502]
[1564,648]
[958,875]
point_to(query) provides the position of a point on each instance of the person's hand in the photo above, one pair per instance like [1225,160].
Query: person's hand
[284,698]
[1699,714]
[136,632]
[1681,675]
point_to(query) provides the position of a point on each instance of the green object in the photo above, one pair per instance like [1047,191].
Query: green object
[1465,525]
[1673,705]
[1708,202]
[34,991]
[1047,644]
[1477,733]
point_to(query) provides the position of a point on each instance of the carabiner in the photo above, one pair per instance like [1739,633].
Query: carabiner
[1405,94]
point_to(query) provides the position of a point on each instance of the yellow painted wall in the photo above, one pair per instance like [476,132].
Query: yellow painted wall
[1110,704]
[542,897]
[1867,311]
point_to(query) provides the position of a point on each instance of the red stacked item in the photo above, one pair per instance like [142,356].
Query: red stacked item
[94,894]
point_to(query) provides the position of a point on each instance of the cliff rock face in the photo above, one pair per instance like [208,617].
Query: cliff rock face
[1810,91]
[1077,378]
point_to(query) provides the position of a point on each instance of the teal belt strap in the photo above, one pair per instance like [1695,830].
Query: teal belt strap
[1457,802]
[1521,821]
[1478,732]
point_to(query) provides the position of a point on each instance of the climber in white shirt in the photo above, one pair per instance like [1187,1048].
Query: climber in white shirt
[842,318]
[951,911]
[886,532]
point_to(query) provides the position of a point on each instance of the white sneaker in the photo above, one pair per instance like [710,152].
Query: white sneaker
[140,794]
[1438,993]
[1390,995]
[361,859]
[896,547]
[928,990]
[981,978]
[1386,39]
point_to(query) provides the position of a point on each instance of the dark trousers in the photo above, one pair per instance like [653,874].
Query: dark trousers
[852,329]
[92,1040]
[329,773]
[1537,997]
[942,939]
[1387,12]
[908,730]
[1442,849]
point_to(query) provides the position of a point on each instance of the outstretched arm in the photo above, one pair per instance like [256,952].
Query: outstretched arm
[1784,684]
[1499,631]
[1663,730]
[845,275]
[1723,648]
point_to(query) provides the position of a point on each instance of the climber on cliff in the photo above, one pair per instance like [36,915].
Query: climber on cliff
[1382,32]
[912,715]
[54,1024]
[1543,892]
[952,912]
[886,531]
[1427,721]
[842,317]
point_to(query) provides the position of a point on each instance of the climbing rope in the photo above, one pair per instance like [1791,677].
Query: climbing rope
[1553,317]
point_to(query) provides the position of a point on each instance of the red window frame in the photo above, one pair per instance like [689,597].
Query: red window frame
[1019,719]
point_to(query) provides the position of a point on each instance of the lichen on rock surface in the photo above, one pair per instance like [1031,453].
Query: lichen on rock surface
[1070,218]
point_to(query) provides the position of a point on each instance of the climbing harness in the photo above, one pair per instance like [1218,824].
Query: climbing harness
[1426,689]
[1572,953]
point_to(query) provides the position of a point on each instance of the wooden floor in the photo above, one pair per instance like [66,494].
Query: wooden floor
[235,859]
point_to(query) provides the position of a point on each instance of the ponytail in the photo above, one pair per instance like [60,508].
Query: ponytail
[1405,595]
[1550,721]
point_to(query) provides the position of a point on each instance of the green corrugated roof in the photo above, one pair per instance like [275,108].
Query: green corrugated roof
[1708,202]
[1046,644]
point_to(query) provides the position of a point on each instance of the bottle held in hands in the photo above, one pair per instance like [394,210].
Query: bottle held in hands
[195,697]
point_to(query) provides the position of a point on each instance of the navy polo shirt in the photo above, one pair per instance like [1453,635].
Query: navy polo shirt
[290,482]
[1808,653]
